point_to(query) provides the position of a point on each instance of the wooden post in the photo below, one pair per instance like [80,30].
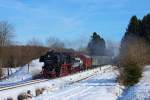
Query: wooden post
[8,71]
[28,67]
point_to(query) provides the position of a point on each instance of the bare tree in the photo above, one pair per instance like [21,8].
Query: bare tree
[137,51]
[54,43]
[82,45]
[35,42]
[112,48]
[6,33]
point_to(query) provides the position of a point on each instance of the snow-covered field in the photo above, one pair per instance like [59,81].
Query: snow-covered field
[140,91]
[21,74]
[102,86]
[101,83]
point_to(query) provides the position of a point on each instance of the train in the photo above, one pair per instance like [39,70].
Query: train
[58,64]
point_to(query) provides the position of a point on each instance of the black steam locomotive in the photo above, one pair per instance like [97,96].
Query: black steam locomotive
[57,64]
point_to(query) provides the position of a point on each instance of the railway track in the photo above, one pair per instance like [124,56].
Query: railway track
[2,88]
[22,84]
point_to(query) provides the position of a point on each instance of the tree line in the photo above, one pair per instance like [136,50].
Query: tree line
[134,50]
[14,55]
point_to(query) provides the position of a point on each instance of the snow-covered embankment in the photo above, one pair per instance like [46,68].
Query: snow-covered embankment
[52,84]
[101,86]
[21,74]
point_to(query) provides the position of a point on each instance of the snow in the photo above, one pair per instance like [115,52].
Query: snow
[12,70]
[102,86]
[69,87]
[140,91]
[35,67]
[22,74]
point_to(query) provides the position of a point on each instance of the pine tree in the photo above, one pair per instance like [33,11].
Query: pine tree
[97,45]
[134,26]
[137,29]
[130,66]
[131,73]
[133,32]
[134,29]
[146,26]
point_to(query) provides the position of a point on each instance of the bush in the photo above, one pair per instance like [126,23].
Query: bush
[131,73]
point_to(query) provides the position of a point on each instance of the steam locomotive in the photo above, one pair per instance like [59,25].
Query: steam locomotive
[58,64]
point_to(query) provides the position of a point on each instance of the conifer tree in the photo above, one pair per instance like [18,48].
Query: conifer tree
[146,26]
[131,71]
[132,33]
[134,25]
[97,45]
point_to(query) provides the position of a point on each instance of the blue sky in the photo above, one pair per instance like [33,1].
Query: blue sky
[71,20]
